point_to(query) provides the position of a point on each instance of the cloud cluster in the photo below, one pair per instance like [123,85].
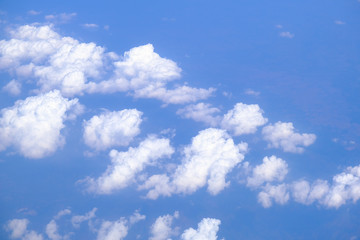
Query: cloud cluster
[242,119]
[207,229]
[145,74]
[106,230]
[282,135]
[33,126]
[278,193]
[345,187]
[207,160]
[272,169]
[18,230]
[126,165]
[112,129]
[201,112]
[161,229]
[75,68]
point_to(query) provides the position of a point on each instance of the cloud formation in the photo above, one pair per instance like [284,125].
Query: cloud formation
[33,126]
[282,135]
[211,155]
[75,68]
[201,112]
[243,119]
[125,165]
[272,169]
[18,230]
[110,129]
[162,227]
[207,229]
[270,193]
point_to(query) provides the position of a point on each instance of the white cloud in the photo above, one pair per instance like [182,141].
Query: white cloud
[125,165]
[78,219]
[60,18]
[338,22]
[90,25]
[145,74]
[243,119]
[55,62]
[207,230]
[287,35]
[52,231]
[13,87]
[62,213]
[305,193]
[252,92]
[345,187]
[282,135]
[161,229]
[33,125]
[33,12]
[201,112]
[112,129]
[63,63]
[272,169]
[18,229]
[32,235]
[271,193]
[207,160]
[136,217]
[116,230]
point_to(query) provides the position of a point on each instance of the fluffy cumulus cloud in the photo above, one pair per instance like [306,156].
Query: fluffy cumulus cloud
[75,68]
[146,75]
[345,187]
[78,219]
[13,87]
[243,119]
[111,129]
[125,165]
[207,229]
[305,193]
[272,169]
[282,135]
[162,229]
[207,160]
[113,230]
[270,193]
[201,112]
[18,230]
[33,126]
[52,231]
[55,62]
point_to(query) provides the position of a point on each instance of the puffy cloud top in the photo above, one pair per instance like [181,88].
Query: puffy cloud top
[282,135]
[243,119]
[271,169]
[111,129]
[33,125]
[207,230]
[125,165]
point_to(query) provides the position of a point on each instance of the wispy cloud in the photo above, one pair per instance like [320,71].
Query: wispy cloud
[90,25]
[287,35]
[339,22]
[33,12]
[60,18]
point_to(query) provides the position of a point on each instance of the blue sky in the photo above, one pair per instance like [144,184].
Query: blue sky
[179,120]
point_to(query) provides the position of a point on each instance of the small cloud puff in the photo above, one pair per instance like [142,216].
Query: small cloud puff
[282,135]
[117,128]
[33,126]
